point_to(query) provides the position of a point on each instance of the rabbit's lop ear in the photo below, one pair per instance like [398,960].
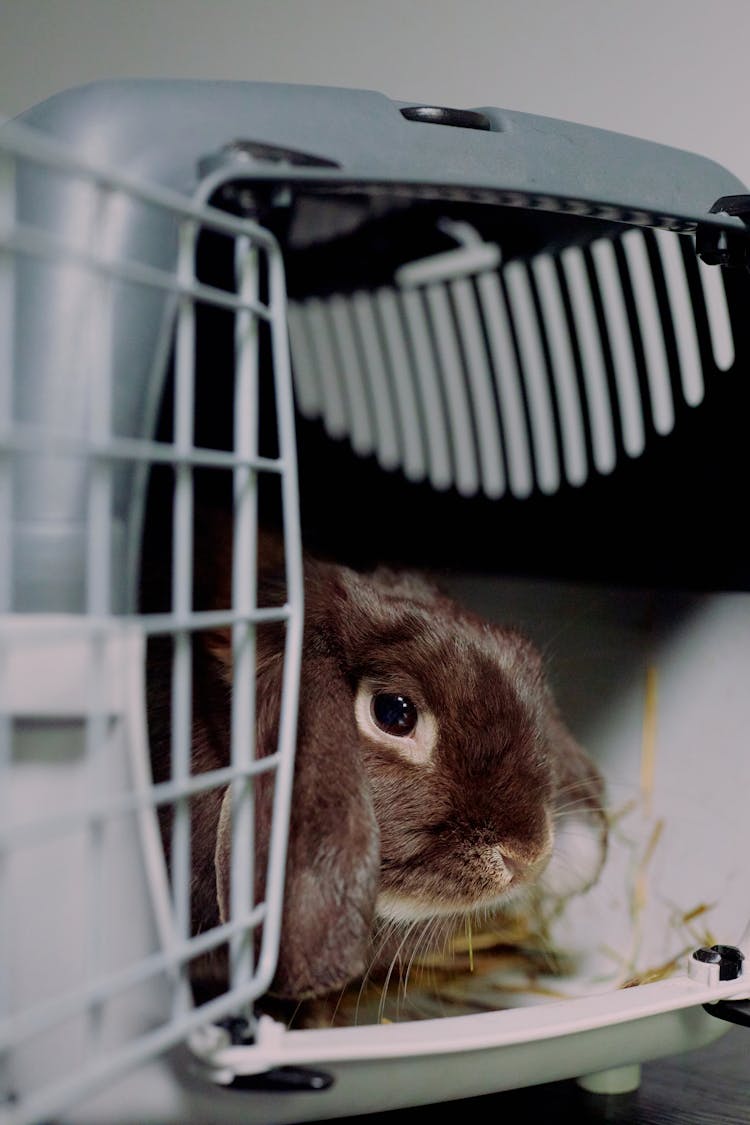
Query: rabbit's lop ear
[333,854]
[334,847]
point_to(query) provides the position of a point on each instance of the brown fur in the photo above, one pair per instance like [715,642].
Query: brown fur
[364,820]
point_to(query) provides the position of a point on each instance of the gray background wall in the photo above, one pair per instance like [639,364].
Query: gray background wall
[675,71]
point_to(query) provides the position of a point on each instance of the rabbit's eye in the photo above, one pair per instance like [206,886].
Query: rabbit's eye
[391,719]
[394,714]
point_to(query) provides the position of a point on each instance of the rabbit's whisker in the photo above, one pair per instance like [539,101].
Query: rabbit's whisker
[387,928]
[421,945]
[386,983]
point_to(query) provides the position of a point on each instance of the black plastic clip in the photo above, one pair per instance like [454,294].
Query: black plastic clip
[285,1080]
[718,247]
[733,1011]
[281,1079]
[729,959]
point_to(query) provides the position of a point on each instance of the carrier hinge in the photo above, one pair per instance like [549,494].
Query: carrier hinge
[230,1053]
[284,1079]
[246,190]
[718,247]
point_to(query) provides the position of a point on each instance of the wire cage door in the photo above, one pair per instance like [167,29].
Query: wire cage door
[96,936]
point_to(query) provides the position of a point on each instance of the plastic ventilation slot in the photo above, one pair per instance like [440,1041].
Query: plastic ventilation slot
[681,310]
[652,333]
[450,366]
[324,360]
[350,371]
[562,372]
[719,323]
[376,372]
[621,346]
[440,471]
[486,422]
[508,383]
[515,378]
[306,385]
[395,344]
[533,368]
[596,391]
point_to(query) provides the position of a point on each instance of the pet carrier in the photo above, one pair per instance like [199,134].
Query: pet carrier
[501,347]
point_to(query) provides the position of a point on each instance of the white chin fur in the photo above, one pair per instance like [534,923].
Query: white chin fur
[576,858]
[392,908]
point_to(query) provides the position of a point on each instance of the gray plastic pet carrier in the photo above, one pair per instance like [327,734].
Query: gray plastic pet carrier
[504,347]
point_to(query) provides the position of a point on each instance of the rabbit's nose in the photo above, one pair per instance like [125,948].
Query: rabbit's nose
[502,867]
[519,856]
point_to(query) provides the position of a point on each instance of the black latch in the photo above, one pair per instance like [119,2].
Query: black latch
[284,1080]
[733,1011]
[729,959]
[718,247]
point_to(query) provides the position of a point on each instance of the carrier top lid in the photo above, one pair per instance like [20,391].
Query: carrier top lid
[344,137]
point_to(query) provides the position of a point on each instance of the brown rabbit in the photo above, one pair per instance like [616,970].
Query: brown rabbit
[434,776]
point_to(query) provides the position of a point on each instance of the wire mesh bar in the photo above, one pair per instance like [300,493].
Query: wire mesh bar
[7,336]
[99,526]
[43,150]
[106,809]
[98,362]
[206,619]
[26,437]
[42,244]
[182,577]
[266,963]
[244,598]
[6,903]
[94,873]
[141,467]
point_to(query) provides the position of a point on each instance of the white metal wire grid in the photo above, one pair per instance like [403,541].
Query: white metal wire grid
[71,684]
